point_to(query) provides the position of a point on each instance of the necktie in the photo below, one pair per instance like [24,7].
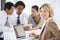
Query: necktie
[18,21]
[7,23]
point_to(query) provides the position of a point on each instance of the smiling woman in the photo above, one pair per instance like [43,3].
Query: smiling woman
[50,29]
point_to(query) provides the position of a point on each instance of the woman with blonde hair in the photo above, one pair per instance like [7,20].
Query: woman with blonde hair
[50,29]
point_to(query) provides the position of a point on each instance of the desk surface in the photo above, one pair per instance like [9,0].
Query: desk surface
[9,34]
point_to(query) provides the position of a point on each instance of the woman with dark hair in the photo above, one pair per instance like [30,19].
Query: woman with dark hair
[34,19]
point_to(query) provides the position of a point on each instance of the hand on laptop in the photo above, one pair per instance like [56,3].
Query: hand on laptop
[27,28]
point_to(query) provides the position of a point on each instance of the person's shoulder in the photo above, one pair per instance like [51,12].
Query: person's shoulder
[1,15]
[52,24]
[30,15]
[14,12]
[1,12]
[24,14]
[51,20]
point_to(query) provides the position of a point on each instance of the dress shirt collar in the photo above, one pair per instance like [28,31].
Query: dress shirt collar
[19,15]
[4,13]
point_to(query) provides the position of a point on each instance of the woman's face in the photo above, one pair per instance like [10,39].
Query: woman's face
[34,12]
[44,13]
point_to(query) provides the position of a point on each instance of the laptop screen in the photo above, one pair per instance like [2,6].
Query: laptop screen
[19,30]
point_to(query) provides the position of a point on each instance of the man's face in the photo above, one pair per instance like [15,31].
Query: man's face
[11,10]
[19,9]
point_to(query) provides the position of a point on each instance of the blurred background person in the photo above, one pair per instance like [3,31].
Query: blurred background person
[4,17]
[34,19]
[18,16]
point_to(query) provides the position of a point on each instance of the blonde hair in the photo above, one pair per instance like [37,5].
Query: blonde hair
[49,9]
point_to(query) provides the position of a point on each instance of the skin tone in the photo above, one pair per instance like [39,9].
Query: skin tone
[9,12]
[44,15]
[36,16]
[19,9]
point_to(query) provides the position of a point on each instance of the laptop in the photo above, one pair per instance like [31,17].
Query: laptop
[19,31]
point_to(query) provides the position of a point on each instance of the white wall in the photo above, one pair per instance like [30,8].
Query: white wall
[13,1]
[57,12]
[54,3]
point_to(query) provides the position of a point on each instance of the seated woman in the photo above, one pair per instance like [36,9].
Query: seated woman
[34,18]
[50,30]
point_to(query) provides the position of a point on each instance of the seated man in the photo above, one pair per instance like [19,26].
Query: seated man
[4,19]
[18,16]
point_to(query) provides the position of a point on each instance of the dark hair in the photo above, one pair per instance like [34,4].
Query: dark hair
[8,5]
[35,7]
[20,3]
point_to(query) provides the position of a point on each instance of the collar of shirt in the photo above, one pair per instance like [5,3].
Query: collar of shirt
[4,13]
[3,17]
[15,14]
[23,17]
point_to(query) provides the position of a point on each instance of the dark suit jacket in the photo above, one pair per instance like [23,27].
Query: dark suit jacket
[50,32]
